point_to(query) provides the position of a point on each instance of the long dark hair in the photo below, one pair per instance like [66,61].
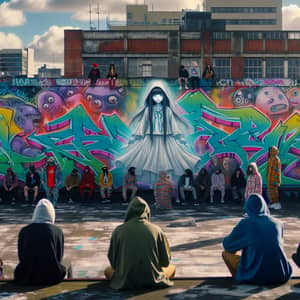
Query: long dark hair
[150,103]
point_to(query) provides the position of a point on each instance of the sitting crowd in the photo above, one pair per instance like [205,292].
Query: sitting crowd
[253,251]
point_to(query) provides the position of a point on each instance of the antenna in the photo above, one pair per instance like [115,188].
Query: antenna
[98,15]
[90,14]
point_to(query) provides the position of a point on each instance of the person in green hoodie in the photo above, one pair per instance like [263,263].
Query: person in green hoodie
[139,252]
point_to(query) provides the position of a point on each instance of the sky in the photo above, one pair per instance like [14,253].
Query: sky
[40,24]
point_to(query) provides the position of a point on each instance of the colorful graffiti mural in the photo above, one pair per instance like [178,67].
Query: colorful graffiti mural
[78,125]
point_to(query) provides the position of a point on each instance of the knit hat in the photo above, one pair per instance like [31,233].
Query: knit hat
[95,65]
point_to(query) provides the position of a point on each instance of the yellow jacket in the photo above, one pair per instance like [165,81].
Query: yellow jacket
[109,180]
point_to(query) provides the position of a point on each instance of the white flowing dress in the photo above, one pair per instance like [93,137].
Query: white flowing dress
[149,157]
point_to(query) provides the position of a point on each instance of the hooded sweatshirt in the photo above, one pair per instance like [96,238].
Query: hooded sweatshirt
[41,248]
[138,250]
[260,237]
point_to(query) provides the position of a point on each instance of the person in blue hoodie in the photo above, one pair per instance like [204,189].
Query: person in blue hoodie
[260,239]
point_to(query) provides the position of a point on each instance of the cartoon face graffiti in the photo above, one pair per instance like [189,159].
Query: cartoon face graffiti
[243,97]
[100,99]
[50,104]
[293,95]
[272,101]
[71,96]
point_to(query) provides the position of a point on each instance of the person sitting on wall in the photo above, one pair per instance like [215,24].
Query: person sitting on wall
[129,184]
[260,238]
[72,184]
[208,74]
[94,74]
[186,184]
[194,75]
[32,182]
[217,184]
[238,184]
[112,76]
[41,249]
[87,184]
[139,252]
[183,76]
[10,186]
[106,184]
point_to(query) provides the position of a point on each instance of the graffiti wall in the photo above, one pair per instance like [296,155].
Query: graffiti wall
[151,125]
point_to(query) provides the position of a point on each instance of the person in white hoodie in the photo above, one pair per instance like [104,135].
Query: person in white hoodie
[41,248]
[217,184]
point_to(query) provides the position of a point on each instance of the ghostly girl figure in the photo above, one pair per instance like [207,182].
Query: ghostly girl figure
[157,142]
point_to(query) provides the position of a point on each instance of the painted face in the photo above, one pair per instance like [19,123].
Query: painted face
[27,117]
[294,97]
[272,101]
[50,104]
[95,102]
[157,98]
[243,97]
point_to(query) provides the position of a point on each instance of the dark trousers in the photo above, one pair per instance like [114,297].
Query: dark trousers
[73,194]
[7,196]
[195,82]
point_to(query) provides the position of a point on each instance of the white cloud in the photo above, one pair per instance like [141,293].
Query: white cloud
[291,17]
[10,17]
[49,47]
[10,40]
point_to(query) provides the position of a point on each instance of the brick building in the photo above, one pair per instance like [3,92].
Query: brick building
[234,54]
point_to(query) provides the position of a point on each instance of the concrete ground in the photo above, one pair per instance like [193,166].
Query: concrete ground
[195,234]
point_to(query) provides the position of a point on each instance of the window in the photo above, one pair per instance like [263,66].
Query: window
[276,35]
[232,10]
[222,35]
[253,68]
[294,68]
[275,67]
[251,22]
[253,35]
[146,70]
[222,67]
[294,35]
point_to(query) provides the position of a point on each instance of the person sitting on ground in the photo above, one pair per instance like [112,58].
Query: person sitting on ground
[183,76]
[52,180]
[186,184]
[139,252]
[87,184]
[238,183]
[202,184]
[32,182]
[94,74]
[41,248]
[254,181]
[217,184]
[163,190]
[296,257]
[260,238]
[72,184]
[106,184]
[10,186]
[129,183]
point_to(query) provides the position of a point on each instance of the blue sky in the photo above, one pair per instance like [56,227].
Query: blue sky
[40,23]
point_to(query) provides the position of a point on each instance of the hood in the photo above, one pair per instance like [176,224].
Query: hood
[273,151]
[138,209]
[44,212]
[256,206]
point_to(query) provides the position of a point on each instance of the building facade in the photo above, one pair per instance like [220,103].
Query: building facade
[247,15]
[136,54]
[17,62]
[45,72]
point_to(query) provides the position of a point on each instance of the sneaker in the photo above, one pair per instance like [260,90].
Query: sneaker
[186,87]
[211,200]
[196,204]
[272,205]
[106,201]
[70,201]
[277,206]
[180,88]
[222,200]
